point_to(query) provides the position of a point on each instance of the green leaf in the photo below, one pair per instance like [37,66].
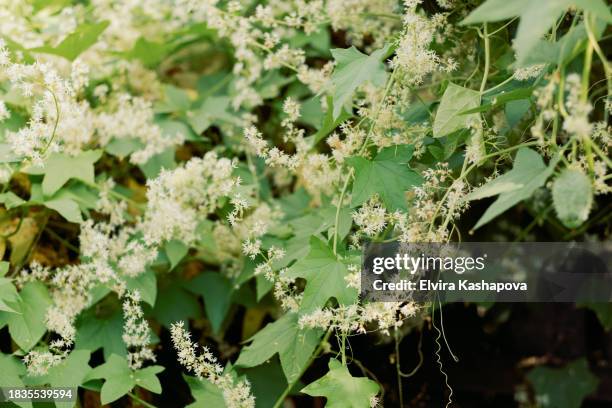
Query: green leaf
[455,101]
[150,53]
[353,69]
[147,378]
[537,18]
[120,379]
[123,147]
[527,175]
[284,336]
[70,372]
[598,8]
[145,284]
[8,293]
[603,312]
[572,194]
[341,389]
[11,371]
[174,304]
[564,49]
[213,111]
[501,99]
[38,5]
[94,333]
[515,110]
[67,208]
[85,196]
[11,200]
[325,275]
[563,387]
[175,251]
[4,268]
[388,175]
[216,291]
[60,167]
[268,382]
[330,122]
[496,10]
[205,393]
[27,324]
[175,100]
[270,85]
[170,128]
[163,160]
[76,43]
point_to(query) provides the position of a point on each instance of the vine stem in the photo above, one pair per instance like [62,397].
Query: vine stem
[487,66]
[507,80]
[140,400]
[290,386]
[601,55]
[378,109]
[344,348]
[57,118]
[584,96]
[472,167]
[338,206]
[397,369]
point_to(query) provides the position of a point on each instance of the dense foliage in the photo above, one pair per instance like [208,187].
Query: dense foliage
[180,166]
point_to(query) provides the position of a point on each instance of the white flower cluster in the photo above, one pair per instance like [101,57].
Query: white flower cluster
[371,217]
[136,332]
[382,316]
[4,112]
[59,119]
[413,57]
[178,199]
[528,72]
[237,394]
[577,123]
[133,118]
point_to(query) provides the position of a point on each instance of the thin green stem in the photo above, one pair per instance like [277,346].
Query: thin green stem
[62,240]
[498,85]
[377,113]
[398,370]
[602,155]
[487,59]
[57,118]
[584,96]
[561,93]
[472,167]
[602,57]
[338,206]
[140,400]
[502,27]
